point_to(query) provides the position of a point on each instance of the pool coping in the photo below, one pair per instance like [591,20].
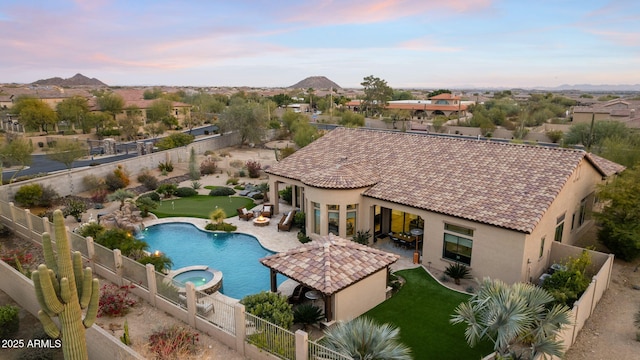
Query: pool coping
[215,282]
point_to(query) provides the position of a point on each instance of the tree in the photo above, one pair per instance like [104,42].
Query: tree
[100,120]
[351,119]
[73,110]
[15,151]
[438,92]
[160,111]
[145,204]
[67,151]
[151,94]
[518,319]
[34,113]
[619,227]
[248,119]
[121,195]
[376,95]
[130,124]
[111,103]
[362,339]
[622,150]
[593,138]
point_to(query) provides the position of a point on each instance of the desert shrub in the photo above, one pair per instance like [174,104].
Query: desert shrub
[167,190]
[165,166]
[9,321]
[121,239]
[185,192]
[221,227]
[28,195]
[362,237]
[239,187]
[242,173]
[286,151]
[19,259]
[257,196]
[307,314]
[554,135]
[196,185]
[238,164]
[271,307]
[151,195]
[566,286]
[121,173]
[222,191]
[92,229]
[92,182]
[286,194]
[253,167]
[173,342]
[49,196]
[99,195]
[208,167]
[233,181]
[4,230]
[303,238]
[148,180]
[115,301]
[174,140]
[74,208]
[299,219]
[114,182]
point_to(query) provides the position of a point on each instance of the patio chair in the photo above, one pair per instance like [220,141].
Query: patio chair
[266,210]
[287,221]
[298,295]
[243,213]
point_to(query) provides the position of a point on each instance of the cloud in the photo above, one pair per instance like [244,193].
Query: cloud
[631,39]
[423,44]
[332,12]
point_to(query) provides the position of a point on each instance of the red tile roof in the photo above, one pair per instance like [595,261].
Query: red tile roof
[502,184]
[329,264]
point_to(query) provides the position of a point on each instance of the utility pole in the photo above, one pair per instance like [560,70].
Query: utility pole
[590,139]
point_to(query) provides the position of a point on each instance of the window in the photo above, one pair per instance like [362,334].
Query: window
[334,219]
[541,247]
[316,218]
[583,212]
[559,228]
[352,213]
[456,247]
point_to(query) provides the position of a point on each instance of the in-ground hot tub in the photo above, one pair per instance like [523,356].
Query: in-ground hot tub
[203,278]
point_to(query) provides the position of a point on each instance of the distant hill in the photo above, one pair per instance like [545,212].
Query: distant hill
[76,80]
[315,82]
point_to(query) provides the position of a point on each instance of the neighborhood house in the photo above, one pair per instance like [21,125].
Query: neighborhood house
[495,207]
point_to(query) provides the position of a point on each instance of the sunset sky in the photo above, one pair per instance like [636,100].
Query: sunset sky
[410,43]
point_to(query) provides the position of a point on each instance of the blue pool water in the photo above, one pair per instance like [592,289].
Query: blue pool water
[196,277]
[235,254]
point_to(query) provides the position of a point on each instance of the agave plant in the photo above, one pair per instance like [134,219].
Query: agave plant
[458,271]
[362,339]
[307,314]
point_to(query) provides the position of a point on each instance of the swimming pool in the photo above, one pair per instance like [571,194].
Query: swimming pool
[235,254]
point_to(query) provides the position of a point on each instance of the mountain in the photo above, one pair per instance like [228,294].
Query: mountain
[315,82]
[76,80]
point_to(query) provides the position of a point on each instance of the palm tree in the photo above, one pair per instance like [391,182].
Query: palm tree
[517,319]
[362,339]
[217,216]
[307,314]
[120,195]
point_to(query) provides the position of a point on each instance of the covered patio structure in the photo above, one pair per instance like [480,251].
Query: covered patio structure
[351,278]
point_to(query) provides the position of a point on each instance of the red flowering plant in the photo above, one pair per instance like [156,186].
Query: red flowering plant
[115,300]
[173,342]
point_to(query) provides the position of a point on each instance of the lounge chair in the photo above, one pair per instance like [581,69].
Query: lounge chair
[267,210]
[245,214]
[287,221]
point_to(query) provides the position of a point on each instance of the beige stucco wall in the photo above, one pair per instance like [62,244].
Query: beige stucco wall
[360,297]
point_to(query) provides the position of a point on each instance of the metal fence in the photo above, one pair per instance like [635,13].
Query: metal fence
[20,217]
[104,257]
[5,209]
[37,224]
[79,243]
[216,311]
[270,337]
[320,352]
[134,272]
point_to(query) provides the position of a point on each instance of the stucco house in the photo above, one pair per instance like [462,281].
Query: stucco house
[495,207]
[442,104]
[624,111]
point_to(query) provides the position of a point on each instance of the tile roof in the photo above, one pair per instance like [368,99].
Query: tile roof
[329,264]
[605,166]
[501,184]
[341,175]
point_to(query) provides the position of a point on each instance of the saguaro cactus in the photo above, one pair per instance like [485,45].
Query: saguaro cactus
[63,289]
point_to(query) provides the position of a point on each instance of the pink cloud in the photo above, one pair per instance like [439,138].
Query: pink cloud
[427,45]
[363,11]
[623,38]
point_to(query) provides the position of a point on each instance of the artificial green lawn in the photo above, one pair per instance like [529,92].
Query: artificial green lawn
[422,309]
[201,206]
